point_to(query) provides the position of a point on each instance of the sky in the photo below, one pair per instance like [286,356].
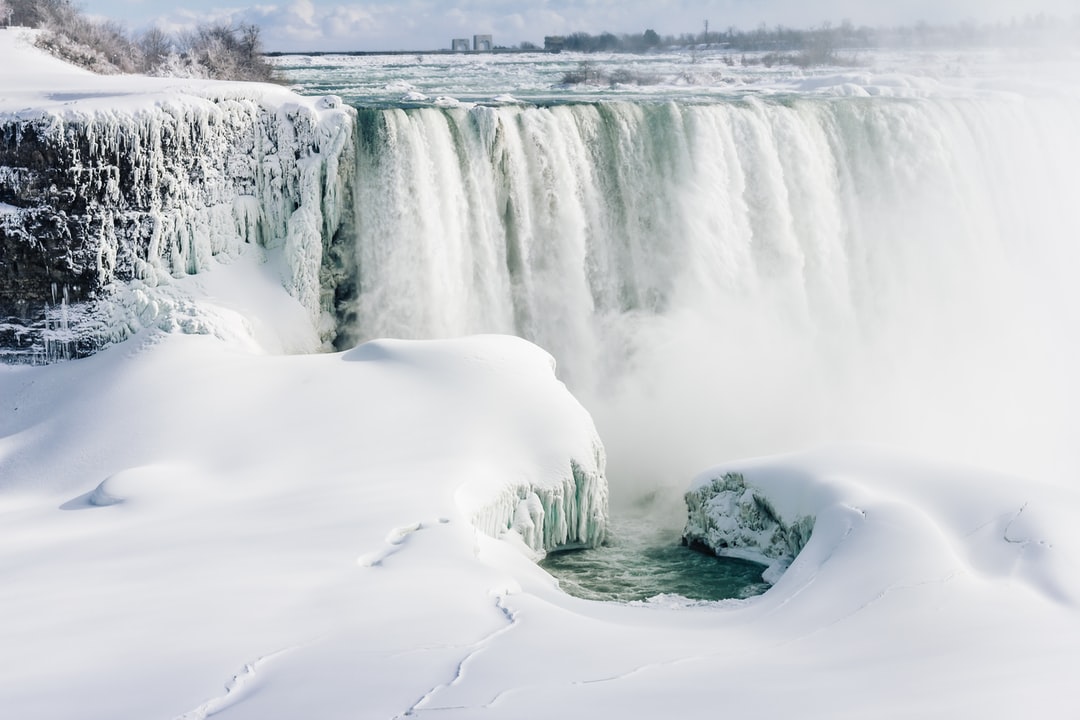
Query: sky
[430,24]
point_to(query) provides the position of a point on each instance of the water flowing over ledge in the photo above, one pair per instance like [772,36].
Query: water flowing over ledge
[835,265]
[573,226]
[831,266]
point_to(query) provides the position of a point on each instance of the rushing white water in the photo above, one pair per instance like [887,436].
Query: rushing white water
[749,276]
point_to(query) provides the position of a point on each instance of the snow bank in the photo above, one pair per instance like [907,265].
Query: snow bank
[555,494]
[177,500]
[887,513]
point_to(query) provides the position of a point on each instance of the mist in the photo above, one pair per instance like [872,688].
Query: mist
[756,277]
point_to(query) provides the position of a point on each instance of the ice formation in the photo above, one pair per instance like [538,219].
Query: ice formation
[728,517]
[110,205]
[569,509]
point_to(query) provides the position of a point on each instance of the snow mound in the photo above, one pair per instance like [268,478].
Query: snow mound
[884,521]
[445,101]
[551,499]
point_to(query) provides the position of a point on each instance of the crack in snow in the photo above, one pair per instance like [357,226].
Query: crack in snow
[459,671]
[642,668]
[991,521]
[234,689]
[1005,533]
[708,656]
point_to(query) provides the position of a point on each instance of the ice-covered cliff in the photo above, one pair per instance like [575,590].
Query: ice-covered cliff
[110,188]
[728,517]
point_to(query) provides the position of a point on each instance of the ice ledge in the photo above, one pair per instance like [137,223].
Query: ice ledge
[533,465]
[571,510]
[730,518]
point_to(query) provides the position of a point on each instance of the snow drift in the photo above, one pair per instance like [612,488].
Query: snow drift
[326,469]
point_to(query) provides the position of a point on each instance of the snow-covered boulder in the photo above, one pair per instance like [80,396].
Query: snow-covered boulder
[729,518]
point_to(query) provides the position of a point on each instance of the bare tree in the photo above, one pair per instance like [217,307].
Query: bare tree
[38,13]
[227,52]
[219,51]
[156,46]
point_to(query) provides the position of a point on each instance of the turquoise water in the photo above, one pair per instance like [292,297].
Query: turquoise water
[640,561]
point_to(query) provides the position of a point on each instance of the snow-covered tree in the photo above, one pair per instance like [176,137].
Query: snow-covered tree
[227,52]
[219,51]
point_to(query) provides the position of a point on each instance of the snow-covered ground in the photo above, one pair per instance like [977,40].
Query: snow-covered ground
[33,81]
[192,527]
[187,528]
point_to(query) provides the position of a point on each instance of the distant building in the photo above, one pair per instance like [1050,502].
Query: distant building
[481,43]
[554,43]
[459,45]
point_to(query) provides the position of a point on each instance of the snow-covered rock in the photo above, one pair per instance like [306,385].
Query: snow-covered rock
[730,518]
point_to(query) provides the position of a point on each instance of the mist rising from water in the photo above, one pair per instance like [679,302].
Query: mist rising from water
[751,277]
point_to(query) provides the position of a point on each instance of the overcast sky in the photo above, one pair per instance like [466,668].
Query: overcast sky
[429,24]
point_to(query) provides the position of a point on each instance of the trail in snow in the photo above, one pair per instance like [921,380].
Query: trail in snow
[422,704]
[235,689]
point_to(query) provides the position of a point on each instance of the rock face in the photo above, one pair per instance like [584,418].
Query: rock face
[90,201]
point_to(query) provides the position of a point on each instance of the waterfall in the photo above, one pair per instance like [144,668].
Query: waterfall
[748,276]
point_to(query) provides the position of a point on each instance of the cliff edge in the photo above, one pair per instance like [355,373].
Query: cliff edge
[112,187]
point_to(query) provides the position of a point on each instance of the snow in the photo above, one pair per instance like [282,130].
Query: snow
[32,82]
[192,503]
[700,75]
[196,526]
[973,522]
